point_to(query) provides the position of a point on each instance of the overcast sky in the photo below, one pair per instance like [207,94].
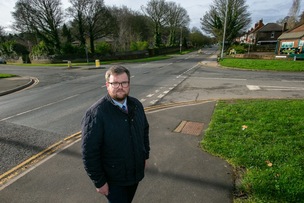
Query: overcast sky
[269,11]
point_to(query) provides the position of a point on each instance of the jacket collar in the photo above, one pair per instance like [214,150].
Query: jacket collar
[131,104]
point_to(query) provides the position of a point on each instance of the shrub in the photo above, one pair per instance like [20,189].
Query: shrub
[103,48]
[39,50]
[139,46]
[240,49]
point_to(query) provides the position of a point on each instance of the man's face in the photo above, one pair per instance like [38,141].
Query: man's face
[118,93]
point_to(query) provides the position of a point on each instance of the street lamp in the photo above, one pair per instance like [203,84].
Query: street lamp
[222,53]
[86,51]
[180,43]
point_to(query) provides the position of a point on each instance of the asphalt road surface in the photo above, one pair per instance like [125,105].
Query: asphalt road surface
[34,119]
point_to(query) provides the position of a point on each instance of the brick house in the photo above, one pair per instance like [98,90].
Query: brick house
[292,41]
[262,34]
[250,36]
[268,34]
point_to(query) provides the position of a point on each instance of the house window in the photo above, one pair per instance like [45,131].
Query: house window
[272,35]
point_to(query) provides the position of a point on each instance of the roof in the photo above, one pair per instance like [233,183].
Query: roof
[270,27]
[292,35]
[298,28]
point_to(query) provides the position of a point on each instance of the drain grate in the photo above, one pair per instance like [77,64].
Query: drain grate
[190,128]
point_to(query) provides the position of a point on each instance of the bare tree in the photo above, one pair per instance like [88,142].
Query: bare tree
[123,35]
[132,27]
[93,20]
[99,20]
[177,19]
[41,17]
[198,39]
[238,19]
[301,18]
[77,12]
[292,17]
[157,10]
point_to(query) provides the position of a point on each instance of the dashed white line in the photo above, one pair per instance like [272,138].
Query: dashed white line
[153,101]
[253,87]
[187,71]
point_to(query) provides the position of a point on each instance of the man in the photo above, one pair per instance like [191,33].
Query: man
[115,139]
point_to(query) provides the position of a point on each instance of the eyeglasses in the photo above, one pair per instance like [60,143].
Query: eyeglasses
[116,84]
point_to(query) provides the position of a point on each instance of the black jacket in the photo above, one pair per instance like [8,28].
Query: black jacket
[115,144]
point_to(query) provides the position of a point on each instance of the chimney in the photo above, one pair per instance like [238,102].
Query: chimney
[261,23]
[284,27]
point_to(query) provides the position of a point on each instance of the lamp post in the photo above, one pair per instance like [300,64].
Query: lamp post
[86,51]
[180,43]
[225,24]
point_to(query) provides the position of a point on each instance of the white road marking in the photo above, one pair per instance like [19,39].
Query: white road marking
[253,87]
[153,102]
[283,88]
[159,96]
[274,88]
[293,81]
[224,79]
[187,71]
[37,108]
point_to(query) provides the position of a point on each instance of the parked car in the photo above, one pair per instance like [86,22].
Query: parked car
[2,61]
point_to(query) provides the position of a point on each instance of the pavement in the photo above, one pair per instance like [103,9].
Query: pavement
[14,84]
[178,169]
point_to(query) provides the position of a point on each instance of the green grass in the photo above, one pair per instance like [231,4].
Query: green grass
[258,64]
[156,58]
[4,75]
[266,137]
[143,60]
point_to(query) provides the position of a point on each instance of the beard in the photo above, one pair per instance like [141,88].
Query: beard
[120,96]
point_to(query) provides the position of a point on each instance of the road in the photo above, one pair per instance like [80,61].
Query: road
[34,119]
[218,83]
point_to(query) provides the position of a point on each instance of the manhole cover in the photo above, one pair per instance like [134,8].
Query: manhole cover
[190,128]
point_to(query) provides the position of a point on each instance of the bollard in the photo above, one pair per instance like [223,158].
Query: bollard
[97,63]
[69,64]
[295,58]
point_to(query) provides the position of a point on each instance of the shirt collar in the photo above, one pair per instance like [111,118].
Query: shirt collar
[120,104]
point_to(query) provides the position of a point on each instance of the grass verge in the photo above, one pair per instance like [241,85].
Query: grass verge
[4,75]
[143,60]
[265,138]
[258,64]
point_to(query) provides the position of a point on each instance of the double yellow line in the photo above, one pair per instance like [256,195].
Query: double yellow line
[73,138]
[38,157]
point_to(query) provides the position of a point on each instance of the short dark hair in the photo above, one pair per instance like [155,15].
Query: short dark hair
[116,70]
